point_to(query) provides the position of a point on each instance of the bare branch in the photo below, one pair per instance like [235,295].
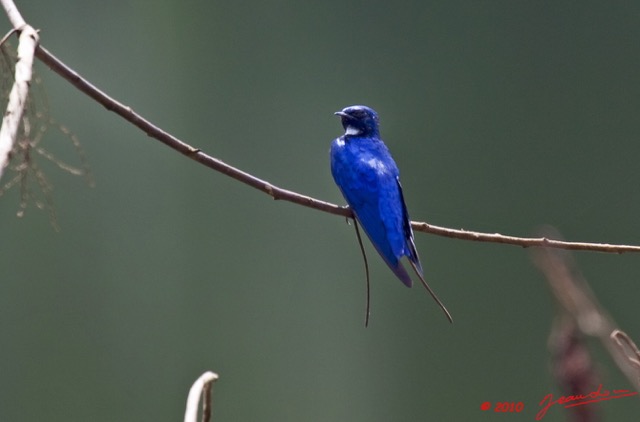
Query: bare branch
[18,97]
[286,195]
[16,19]
[524,242]
[576,300]
[264,186]
[202,387]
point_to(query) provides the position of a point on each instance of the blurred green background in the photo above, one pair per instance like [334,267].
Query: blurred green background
[501,115]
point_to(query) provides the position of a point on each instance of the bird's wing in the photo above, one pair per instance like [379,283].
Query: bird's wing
[412,252]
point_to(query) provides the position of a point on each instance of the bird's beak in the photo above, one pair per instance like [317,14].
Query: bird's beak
[341,114]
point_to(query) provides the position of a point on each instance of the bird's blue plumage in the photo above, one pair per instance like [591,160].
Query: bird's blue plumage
[369,179]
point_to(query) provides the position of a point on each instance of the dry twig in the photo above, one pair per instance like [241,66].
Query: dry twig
[202,387]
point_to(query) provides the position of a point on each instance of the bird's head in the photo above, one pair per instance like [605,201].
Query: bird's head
[359,120]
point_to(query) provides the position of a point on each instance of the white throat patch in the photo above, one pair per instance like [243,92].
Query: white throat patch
[351,130]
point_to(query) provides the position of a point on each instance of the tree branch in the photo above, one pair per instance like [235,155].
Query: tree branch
[286,195]
[577,301]
[14,15]
[283,194]
[202,387]
[525,242]
[28,40]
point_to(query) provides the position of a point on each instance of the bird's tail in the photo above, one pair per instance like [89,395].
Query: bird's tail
[418,271]
[417,267]
[401,273]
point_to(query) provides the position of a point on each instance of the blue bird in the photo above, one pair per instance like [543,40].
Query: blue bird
[369,180]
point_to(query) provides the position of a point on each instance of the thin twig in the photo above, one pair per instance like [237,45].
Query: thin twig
[286,195]
[6,36]
[628,348]
[202,387]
